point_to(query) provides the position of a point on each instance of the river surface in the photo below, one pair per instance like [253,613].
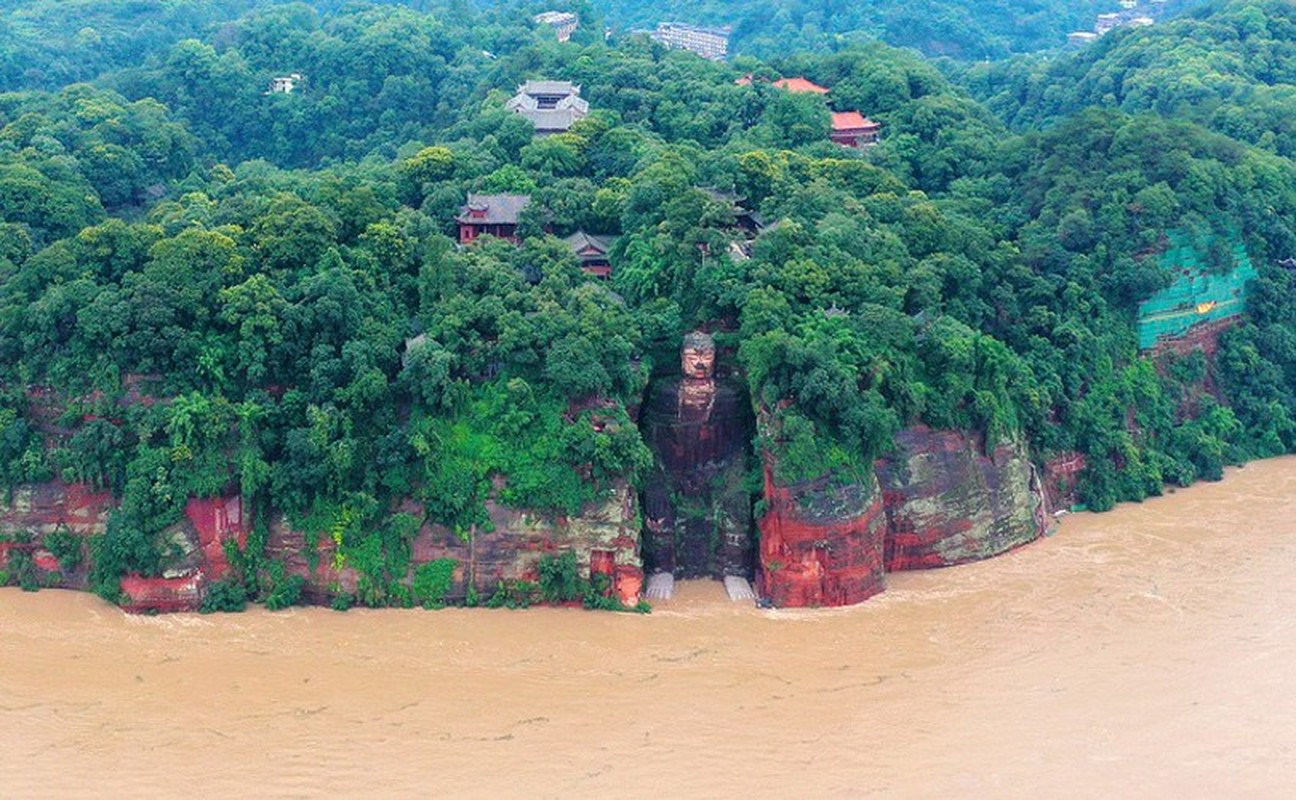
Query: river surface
[1146,652]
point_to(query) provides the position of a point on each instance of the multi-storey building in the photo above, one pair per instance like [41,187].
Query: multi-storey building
[712,43]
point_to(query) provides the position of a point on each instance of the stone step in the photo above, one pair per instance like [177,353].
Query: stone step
[661,586]
[739,589]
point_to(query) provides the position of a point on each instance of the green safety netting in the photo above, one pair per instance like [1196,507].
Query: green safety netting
[1196,295]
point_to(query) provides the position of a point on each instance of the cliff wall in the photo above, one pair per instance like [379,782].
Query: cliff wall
[821,544]
[32,512]
[938,500]
[36,513]
[605,538]
[949,502]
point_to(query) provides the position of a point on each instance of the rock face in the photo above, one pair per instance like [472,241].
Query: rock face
[43,508]
[1061,476]
[38,511]
[605,538]
[938,500]
[948,503]
[35,511]
[163,595]
[217,520]
[821,545]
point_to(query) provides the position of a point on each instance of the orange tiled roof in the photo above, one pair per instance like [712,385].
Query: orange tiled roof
[800,85]
[851,120]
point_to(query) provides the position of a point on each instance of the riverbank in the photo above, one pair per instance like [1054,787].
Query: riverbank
[1141,652]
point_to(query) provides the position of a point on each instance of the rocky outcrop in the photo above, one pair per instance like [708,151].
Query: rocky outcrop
[218,522]
[821,544]
[163,595]
[1061,479]
[604,537]
[948,501]
[940,499]
[43,508]
[35,513]
[32,512]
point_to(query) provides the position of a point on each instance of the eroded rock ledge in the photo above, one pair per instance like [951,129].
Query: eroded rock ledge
[940,499]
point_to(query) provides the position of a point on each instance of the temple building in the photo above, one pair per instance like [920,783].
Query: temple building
[592,252]
[853,129]
[564,23]
[552,106]
[712,43]
[493,215]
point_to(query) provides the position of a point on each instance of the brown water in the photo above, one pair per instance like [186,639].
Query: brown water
[1148,652]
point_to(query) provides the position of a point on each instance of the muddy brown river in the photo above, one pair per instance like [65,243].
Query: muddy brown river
[1147,652]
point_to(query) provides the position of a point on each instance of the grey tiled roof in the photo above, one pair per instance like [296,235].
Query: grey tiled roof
[501,209]
[557,119]
[548,87]
[580,240]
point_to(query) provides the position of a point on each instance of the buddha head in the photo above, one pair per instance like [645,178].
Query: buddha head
[697,359]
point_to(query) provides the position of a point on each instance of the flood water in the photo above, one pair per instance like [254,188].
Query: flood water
[1147,652]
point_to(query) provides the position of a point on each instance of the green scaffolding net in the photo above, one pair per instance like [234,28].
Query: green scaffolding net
[1196,294]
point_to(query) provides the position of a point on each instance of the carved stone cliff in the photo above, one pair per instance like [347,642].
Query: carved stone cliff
[821,544]
[697,506]
[938,500]
[949,502]
[604,537]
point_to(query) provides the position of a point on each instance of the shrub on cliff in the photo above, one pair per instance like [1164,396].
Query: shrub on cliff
[433,581]
[226,595]
[560,578]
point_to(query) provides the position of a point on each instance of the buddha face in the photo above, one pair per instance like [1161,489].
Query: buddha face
[697,359]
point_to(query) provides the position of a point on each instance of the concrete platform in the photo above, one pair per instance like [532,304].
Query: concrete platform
[738,589]
[661,586]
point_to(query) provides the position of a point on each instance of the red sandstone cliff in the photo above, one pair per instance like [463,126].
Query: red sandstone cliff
[948,501]
[821,543]
[938,500]
[605,538]
[36,511]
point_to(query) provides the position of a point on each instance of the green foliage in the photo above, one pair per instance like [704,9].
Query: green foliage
[433,582]
[560,579]
[22,571]
[67,547]
[974,31]
[227,595]
[514,594]
[284,590]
